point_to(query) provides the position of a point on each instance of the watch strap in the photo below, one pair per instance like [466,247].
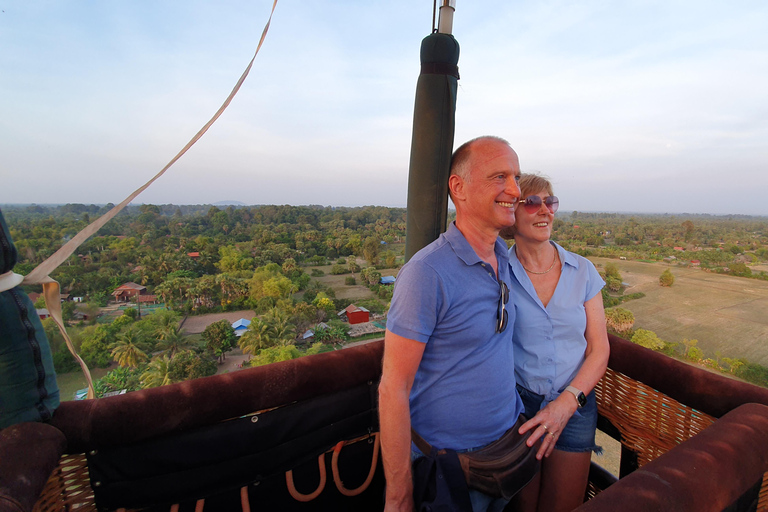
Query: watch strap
[578,394]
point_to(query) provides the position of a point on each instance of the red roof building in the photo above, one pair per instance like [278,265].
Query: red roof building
[127,291]
[355,314]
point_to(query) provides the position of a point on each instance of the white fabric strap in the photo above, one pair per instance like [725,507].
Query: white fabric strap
[10,280]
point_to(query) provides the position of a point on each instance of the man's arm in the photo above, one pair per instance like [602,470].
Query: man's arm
[401,360]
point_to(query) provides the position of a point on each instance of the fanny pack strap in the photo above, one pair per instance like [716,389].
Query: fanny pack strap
[423,446]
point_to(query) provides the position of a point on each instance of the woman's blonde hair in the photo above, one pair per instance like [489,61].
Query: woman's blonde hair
[529,184]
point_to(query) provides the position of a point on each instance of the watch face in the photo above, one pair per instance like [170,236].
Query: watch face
[582,400]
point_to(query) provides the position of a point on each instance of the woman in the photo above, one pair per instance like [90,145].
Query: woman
[561,350]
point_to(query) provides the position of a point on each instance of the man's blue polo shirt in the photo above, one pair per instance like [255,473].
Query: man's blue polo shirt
[464,392]
[549,341]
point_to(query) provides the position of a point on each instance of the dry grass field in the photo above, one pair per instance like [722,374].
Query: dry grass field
[726,314]
[344,291]
[197,324]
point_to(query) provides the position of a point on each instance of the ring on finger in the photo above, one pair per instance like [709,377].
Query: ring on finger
[545,427]
[552,434]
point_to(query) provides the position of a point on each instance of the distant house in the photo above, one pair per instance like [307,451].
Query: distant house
[387,280]
[696,263]
[148,299]
[126,292]
[241,326]
[33,296]
[43,313]
[354,314]
[679,249]
[193,255]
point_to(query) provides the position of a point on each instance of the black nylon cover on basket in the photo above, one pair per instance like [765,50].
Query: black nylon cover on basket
[216,461]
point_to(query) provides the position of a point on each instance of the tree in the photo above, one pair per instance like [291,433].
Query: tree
[219,338]
[740,269]
[324,303]
[688,227]
[688,346]
[188,365]
[666,278]
[611,270]
[370,276]
[275,355]
[95,344]
[157,373]
[619,319]
[281,328]
[695,354]
[613,284]
[128,349]
[371,250]
[647,339]
[390,258]
[278,287]
[172,341]
[733,364]
[232,260]
[256,337]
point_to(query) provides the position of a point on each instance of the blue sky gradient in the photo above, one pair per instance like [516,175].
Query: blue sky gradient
[652,106]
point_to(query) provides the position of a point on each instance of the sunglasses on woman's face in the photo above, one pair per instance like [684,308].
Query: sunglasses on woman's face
[532,204]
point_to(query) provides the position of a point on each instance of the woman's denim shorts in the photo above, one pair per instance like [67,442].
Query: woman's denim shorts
[579,434]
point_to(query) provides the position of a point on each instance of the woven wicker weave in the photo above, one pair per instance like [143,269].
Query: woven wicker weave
[68,488]
[651,423]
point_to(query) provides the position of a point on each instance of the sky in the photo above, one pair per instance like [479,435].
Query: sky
[632,106]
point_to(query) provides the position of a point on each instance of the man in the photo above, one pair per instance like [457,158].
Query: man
[448,366]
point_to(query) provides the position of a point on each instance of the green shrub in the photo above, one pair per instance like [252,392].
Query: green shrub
[350,281]
[666,278]
[647,339]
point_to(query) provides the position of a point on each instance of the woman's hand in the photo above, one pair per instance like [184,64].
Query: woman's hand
[549,423]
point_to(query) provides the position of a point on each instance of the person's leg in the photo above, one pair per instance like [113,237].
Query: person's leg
[563,481]
[527,499]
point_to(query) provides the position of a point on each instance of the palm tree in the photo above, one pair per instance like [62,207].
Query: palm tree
[172,341]
[157,373]
[127,350]
[164,319]
[281,329]
[256,337]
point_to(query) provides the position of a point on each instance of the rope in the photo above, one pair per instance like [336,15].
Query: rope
[335,467]
[335,471]
[245,503]
[41,274]
[307,497]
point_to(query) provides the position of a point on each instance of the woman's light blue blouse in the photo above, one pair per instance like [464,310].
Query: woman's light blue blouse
[549,342]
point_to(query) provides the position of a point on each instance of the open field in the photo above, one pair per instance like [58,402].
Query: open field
[726,314]
[197,324]
[344,291]
[71,382]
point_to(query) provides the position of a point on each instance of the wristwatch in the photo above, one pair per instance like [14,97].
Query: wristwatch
[580,398]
